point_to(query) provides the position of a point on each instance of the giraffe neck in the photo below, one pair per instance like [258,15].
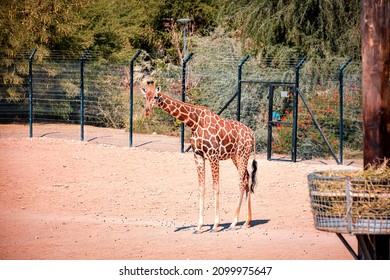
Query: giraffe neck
[182,111]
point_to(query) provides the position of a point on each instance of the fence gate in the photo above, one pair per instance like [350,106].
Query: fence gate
[280,104]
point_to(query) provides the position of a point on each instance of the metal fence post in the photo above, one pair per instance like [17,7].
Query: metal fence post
[183,95]
[269,126]
[239,86]
[132,97]
[86,53]
[295,111]
[341,95]
[30,91]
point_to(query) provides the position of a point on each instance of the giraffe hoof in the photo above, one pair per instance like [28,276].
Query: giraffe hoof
[231,228]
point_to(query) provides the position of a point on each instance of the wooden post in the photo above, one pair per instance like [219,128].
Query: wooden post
[375,31]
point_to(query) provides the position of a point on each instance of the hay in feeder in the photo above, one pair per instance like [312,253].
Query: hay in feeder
[352,201]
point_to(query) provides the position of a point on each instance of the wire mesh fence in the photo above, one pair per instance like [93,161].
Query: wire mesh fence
[212,79]
[56,91]
[14,89]
[334,96]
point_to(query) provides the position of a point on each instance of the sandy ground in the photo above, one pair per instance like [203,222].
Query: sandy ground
[61,198]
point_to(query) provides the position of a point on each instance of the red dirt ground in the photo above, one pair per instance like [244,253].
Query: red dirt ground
[61,198]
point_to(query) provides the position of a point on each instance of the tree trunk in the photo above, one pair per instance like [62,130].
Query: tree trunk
[375,31]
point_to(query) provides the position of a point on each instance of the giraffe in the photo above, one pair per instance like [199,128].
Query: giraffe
[213,138]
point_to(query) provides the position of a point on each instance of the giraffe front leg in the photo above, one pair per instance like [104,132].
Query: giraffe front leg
[215,174]
[200,166]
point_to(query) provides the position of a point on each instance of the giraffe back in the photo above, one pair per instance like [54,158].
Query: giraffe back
[219,137]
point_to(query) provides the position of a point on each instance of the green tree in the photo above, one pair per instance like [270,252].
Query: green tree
[46,24]
[288,28]
[116,28]
[25,25]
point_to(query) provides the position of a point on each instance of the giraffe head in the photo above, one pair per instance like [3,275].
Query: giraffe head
[151,95]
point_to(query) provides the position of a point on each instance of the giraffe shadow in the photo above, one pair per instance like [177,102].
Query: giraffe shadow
[223,226]
[48,133]
[144,144]
[98,137]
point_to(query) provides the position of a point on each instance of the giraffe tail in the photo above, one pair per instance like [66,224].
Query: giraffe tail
[254,180]
[254,167]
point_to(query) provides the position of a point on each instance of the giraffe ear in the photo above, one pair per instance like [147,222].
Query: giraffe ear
[158,89]
[143,91]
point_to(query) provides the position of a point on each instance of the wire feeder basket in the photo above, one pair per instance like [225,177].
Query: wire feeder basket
[344,204]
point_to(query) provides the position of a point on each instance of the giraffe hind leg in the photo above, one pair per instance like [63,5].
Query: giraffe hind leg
[244,187]
[237,212]
[249,217]
[249,191]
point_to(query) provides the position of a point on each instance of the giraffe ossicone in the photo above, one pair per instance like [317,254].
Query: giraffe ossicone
[213,138]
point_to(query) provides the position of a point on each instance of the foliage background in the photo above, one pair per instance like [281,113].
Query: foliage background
[280,28]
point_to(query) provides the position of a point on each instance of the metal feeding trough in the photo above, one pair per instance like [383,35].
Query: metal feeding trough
[350,202]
